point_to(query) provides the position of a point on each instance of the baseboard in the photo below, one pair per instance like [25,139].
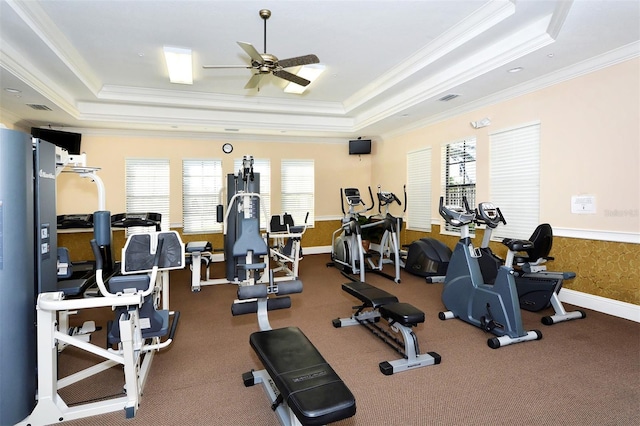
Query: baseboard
[316,250]
[601,304]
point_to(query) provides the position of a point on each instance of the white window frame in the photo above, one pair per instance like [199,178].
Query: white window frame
[515,179]
[297,185]
[465,178]
[263,167]
[147,187]
[202,184]
[419,190]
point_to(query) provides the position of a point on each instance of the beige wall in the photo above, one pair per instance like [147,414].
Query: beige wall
[590,144]
[334,169]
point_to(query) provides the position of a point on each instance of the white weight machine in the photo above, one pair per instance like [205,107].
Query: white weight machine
[136,332]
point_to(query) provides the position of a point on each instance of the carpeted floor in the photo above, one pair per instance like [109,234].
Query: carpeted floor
[584,372]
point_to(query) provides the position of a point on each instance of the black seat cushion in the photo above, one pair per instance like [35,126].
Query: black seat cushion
[403,313]
[310,387]
[371,296]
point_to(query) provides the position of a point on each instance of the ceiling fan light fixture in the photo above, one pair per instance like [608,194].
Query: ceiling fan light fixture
[179,64]
[309,72]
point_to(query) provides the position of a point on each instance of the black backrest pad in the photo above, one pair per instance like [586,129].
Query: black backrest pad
[309,385]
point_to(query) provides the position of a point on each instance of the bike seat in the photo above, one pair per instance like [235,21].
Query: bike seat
[517,245]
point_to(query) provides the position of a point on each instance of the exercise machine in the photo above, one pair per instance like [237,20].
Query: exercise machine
[537,288]
[491,307]
[285,248]
[387,250]
[244,246]
[400,318]
[301,385]
[347,252]
[428,258]
[136,332]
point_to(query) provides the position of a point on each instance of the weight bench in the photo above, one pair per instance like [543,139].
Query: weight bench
[400,317]
[302,386]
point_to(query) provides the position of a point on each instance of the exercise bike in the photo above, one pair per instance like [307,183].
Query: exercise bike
[537,288]
[491,307]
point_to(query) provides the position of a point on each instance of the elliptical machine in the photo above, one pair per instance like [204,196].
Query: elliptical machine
[493,308]
[387,250]
[346,241]
[536,290]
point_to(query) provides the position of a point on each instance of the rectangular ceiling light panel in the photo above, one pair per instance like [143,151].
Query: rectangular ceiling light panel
[310,72]
[179,64]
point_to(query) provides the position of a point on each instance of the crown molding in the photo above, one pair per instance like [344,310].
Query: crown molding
[483,19]
[193,99]
[35,17]
[588,66]
[16,64]
[529,39]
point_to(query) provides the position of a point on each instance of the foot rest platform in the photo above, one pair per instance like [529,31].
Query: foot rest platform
[309,386]
[371,296]
[404,313]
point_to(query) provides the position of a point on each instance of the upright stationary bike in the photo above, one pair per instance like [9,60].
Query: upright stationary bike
[493,308]
[537,290]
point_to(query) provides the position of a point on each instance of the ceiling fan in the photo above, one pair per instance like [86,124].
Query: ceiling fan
[265,63]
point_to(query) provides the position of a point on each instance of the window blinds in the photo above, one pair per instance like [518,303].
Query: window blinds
[297,184]
[515,179]
[147,187]
[201,188]
[419,190]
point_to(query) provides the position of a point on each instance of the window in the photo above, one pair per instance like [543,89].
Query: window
[515,179]
[201,188]
[147,187]
[419,190]
[459,175]
[262,166]
[297,184]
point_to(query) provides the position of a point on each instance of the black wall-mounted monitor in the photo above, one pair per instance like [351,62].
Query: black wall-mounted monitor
[67,140]
[360,146]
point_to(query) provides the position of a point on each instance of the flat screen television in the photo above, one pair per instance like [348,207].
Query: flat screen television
[67,140]
[360,146]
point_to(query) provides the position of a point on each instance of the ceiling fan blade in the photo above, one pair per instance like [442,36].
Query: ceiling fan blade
[291,77]
[225,66]
[253,81]
[299,60]
[251,51]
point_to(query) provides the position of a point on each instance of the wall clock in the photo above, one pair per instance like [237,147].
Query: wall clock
[227,148]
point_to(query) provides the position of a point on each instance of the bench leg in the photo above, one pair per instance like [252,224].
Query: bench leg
[356,318]
[282,410]
[413,357]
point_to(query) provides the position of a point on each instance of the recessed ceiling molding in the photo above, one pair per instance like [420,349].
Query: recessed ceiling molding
[471,27]
[194,99]
[559,15]
[529,39]
[34,16]
[223,118]
[17,65]
[622,54]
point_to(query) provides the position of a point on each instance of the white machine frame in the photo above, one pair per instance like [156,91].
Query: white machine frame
[134,353]
[287,263]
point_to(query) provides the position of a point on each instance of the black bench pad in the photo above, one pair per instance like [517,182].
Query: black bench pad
[403,313]
[310,387]
[371,296]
